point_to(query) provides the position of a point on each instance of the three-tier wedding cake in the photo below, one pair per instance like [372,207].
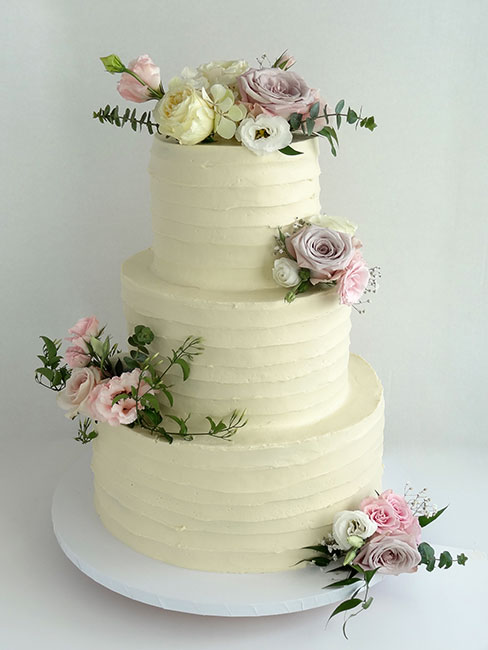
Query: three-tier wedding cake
[313,442]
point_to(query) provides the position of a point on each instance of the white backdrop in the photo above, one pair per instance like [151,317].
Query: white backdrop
[75,204]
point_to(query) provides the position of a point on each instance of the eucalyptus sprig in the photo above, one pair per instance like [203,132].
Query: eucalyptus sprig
[299,122]
[111,116]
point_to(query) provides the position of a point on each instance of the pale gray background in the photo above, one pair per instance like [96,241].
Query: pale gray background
[75,203]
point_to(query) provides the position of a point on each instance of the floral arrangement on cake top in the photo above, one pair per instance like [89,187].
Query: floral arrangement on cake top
[323,251]
[383,536]
[97,382]
[262,107]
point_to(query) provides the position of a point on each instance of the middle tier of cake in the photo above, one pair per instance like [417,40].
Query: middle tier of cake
[285,364]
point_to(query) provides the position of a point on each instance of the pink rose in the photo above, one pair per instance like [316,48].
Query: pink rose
[322,250]
[390,554]
[400,506]
[382,513]
[76,357]
[84,329]
[353,281]
[100,402]
[132,89]
[276,92]
[78,388]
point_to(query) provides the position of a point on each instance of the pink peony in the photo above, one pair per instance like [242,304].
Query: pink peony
[84,329]
[276,92]
[324,251]
[390,554]
[133,90]
[382,513]
[353,281]
[76,356]
[78,388]
[100,404]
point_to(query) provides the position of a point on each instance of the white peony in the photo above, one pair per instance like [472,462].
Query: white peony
[285,272]
[264,134]
[227,112]
[184,114]
[215,72]
[334,223]
[348,523]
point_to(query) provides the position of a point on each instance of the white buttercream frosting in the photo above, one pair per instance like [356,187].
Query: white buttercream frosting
[313,443]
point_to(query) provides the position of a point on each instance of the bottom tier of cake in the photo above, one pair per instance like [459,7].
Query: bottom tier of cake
[237,506]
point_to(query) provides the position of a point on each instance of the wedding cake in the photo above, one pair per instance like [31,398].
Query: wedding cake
[313,442]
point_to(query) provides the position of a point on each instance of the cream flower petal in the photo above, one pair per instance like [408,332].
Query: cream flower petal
[226,128]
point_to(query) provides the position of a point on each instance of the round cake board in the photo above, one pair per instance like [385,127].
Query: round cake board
[105,559]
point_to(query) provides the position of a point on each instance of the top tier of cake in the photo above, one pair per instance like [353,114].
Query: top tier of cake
[216,208]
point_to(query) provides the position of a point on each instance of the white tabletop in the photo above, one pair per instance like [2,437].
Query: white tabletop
[46,602]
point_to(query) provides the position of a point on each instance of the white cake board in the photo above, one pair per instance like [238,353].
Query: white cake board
[116,566]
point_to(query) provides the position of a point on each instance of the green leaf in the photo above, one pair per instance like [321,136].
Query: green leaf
[320,560]
[370,124]
[143,335]
[154,417]
[119,368]
[310,124]
[319,549]
[425,521]
[445,560]
[51,349]
[352,116]
[343,583]
[339,106]
[119,397]
[97,346]
[338,121]
[428,555]
[148,399]
[48,373]
[184,367]
[112,63]
[289,151]
[462,559]
[168,395]
[295,121]
[314,110]
[345,606]
[180,422]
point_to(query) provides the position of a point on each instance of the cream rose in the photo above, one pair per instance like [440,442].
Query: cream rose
[348,523]
[184,114]
[78,388]
[334,223]
[285,272]
[215,72]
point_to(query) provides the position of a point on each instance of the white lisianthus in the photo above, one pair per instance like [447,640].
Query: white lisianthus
[351,523]
[184,114]
[334,223]
[285,272]
[227,112]
[264,134]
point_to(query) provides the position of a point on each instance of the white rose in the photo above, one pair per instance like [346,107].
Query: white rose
[285,272]
[351,522]
[264,134]
[223,72]
[184,114]
[334,223]
[78,388]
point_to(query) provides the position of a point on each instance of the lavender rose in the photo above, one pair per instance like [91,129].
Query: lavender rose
[276,92]
[390,554]
[324,251]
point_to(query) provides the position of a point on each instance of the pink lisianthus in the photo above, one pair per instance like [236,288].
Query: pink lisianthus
[132,89]
[382,513]
[76,356]
[100,402]
[84,329]
[78,388]
[276,92]
[391,554]
[285,61]
[323,251]
[353,281]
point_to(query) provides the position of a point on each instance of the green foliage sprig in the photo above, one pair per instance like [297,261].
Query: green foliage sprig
[111,116]
[150,415]
[307,124]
